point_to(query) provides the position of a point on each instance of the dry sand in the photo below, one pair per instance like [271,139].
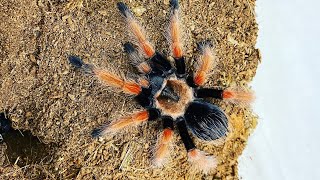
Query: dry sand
[40,92]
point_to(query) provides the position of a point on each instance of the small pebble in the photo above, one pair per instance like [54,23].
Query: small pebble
[138,11]
[71,96]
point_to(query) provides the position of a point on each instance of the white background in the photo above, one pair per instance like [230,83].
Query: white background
[286,143]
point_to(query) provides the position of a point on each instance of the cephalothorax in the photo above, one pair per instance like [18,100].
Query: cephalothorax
[169,93]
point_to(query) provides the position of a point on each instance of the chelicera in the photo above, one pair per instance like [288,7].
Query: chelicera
[169,93]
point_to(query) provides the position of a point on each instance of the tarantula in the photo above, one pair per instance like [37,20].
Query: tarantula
[169,93]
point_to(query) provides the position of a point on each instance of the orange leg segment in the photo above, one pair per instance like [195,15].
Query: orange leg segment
[163,147]
[114,81]
[174,31]
[115,126]
[238,96]
[108,78]
[162,153]
[175,35]
[140,36]
[136,118]
[201,161]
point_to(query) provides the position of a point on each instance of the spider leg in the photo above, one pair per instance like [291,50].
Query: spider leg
[198,159]
[134,119]
[233,95]
[174,38]
[137,31]
[204,65]
[159,62]
[106,77]
[163,146]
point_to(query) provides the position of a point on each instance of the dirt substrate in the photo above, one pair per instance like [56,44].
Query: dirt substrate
[41,92]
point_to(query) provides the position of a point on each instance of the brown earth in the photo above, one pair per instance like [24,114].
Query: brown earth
[42,93]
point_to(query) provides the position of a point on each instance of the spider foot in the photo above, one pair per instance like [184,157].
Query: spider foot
[202,162]
[238,96]
[79,64]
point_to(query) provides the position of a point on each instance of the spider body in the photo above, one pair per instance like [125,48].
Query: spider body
[174,107]
[169,93]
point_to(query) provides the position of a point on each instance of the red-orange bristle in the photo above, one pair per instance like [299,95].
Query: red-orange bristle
[132,88]
[144,44]
[177,50]
[199,78]
[167,134]
[108,78]
[163,147]
[142,116]
[201,161]
[205,66]
[240,96]
[115,81]
[227,94]
[137,31]
[176,44]
[193,153]
[126,121]
[148,49]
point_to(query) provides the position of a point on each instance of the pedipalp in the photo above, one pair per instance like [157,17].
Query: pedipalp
[205,63]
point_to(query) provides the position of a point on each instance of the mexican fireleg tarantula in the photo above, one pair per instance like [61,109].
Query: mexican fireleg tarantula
[169,93]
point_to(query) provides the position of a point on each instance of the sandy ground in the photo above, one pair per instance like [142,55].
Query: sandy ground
[40,92]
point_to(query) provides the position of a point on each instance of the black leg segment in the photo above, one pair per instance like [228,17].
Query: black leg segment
[181,67]
[209,92]
[123,8]
[161,63]
[145,98]
[153,114]
[190,82]
[167,122]
[174,4]
[76,61]
[183,131]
